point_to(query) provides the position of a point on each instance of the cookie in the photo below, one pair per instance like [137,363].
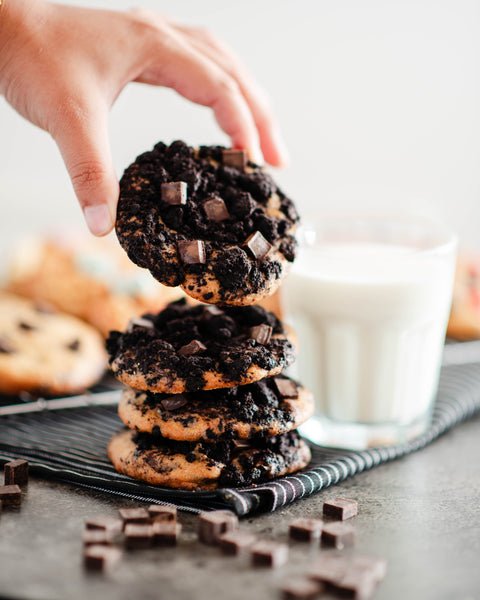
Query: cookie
[464,321]
[207,220]
[46,353]
[269,407]
[189,348]
[91,278]
[201,466]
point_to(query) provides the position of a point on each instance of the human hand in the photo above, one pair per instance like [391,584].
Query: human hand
[62,68]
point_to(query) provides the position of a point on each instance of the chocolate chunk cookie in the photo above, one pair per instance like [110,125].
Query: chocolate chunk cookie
[202,466]
[189,348]
[240,412]
[207,220]
[44,352]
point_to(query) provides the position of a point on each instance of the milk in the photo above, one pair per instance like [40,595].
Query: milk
[371,320]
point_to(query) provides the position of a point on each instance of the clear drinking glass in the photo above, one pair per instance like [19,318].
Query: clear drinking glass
[369,297]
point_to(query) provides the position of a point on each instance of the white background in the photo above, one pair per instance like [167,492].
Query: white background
[379,103]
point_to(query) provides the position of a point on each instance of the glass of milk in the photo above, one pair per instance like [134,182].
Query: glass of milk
[369,297]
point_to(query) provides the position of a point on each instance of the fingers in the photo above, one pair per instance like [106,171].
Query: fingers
[272,145]
[81,135]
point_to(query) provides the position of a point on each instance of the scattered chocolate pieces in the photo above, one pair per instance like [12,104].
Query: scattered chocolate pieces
[101,537]
[338,534]
[301,588]
[194,347]
[166,533]
[356,583]
[174,193]
[236,542]
[257,246]
[160,512]
[10,495]
[235,158]
[340,508]
[100,558]
[134,515]
[306,530]
[192,252]
[105,522]
[216,209]
[261,333]
[16,472]
[329,568]
[267,553]
[212,524]
[138,535]
[376,566]
[286,388]
[74,346]
[174,402]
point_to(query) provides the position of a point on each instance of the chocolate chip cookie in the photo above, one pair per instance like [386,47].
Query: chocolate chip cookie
[203,466]
[269,407]
[207,220]
[189,348]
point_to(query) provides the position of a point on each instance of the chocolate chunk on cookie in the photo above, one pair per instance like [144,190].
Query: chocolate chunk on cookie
[46,353]
[191,348]
[198,465]
[208,220]
[243,412]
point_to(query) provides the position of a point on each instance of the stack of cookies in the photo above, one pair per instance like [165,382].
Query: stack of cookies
[206,404]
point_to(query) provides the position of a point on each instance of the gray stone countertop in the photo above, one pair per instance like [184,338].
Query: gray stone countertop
[421,513]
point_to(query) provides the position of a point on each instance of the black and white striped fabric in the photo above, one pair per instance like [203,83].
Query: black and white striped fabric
[70,446]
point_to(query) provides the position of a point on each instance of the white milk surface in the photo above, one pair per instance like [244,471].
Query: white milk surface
[371,321]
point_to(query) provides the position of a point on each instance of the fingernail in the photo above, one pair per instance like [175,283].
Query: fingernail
[98,219]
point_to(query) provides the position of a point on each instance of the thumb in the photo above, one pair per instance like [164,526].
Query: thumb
[84,145]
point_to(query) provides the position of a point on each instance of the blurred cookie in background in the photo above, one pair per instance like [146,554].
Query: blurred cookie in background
[91,278]
[464,322]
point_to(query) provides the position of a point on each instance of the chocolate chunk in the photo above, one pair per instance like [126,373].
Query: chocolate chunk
[338,534]
[138,535]
[330,568]
[139,322]
[16,472]
[174,193]
[286,388]
[159,512]
[26,326]
[306,530]
[100,558]
[301,588]
[257,246]
[174,402]
[211,311]
[166,533]
[356,583]
[266,553]
[192,252]
[261,333]
[212,524]
[216,209]
[194,347]
[133,515]
[6,346]
[105,523]
[92,537]
[236,542]
[340,508]
[376,566]
[74,346]
[10,495]
[235,158]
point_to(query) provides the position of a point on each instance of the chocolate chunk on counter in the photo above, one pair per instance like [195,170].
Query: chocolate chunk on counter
[138,535]
[16,472]
[306,530]
[194,347]
[103,537]
[329,568]
[340,508]
[376,566]
[192,252]
[236,542]
[174,193]
[261,334]
[104,522]
[267,553]
[174,402]
[286,388]
[356,583]
[234,158]
[216,209]
[159,512]
[134,515]
[10,495]
[257,246]
[166,533]
[338,534]
[301,588]
[100,558]
[212,524]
